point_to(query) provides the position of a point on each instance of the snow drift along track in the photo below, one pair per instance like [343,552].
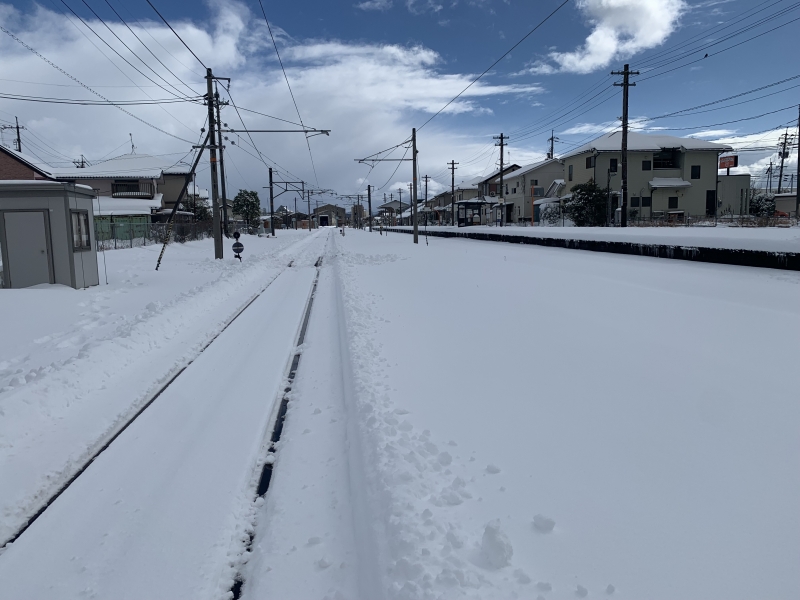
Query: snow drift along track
[161,500]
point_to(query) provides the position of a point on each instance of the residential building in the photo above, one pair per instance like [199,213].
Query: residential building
[524,186]
[734,194]
[668,177]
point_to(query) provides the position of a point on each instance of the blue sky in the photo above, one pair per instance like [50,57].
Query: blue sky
[370,71]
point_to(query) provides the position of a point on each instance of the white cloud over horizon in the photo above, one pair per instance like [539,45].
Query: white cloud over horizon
[369,95]
[620,29]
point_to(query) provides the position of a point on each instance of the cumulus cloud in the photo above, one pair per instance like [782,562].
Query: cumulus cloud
[369,95]
[620,29]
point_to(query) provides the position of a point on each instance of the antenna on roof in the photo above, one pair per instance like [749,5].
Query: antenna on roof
[133,148]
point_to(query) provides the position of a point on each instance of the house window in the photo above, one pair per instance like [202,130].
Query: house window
[570,172]
[513,190]
[673,202]
[80,230]
[590,162]
[666,159]
[613,165]
[634,201]
[647,165]
[647,201]
[695,171]
[535,182]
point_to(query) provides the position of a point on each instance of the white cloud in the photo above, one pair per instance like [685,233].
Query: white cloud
[375,5]
[712,133]
[620,29]
[369,95]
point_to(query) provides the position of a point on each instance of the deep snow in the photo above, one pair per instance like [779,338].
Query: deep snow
[469,420]
[538,422]
[76,363]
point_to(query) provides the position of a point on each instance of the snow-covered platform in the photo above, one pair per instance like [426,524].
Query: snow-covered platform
[770,247]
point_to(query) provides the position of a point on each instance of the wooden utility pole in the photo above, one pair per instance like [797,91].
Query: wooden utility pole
[453,164]
[626,73]
[414,189]
[212,138]
[502,145]
[400,195]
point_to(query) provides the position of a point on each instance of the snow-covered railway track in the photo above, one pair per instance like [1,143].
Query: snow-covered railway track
[134,416]
[156,511]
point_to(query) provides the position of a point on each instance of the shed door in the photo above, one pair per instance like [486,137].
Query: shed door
[26,236]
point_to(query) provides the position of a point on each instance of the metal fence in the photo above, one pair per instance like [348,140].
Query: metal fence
[132,235]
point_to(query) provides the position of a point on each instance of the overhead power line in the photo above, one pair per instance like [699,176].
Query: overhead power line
[59,69]
[76,101]
[471,83]
[291,93]
[176,34]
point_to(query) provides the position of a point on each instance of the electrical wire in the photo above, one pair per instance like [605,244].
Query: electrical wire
[525,37]
[286,77]
[147,48]
[52,100]
[176,34]
[57,68]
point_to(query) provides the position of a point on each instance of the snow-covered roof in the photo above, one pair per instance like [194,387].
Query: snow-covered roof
[193,190]
[31,161]
[532,167]
[133,166]
[107,206]
[642,142]
[669,182]
[481,178]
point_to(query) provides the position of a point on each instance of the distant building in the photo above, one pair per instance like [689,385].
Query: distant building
[523,187]
[668,177]
[330,215]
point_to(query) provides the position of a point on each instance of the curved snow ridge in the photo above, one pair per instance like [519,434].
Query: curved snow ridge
[419,483]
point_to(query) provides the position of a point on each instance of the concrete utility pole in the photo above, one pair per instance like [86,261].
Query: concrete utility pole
[400,194]
[295,214]
[19,139]
[453,164]
[797,179]
[212,138]
[369,205]
[552,139]
[784,156]
[427,178]
[414,189]
[626,73]
[271,206]
[309,211]
[221,165]
[502,145]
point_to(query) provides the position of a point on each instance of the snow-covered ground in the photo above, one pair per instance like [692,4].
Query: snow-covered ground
[529,422]
[769,239]
[469,420]
[75,364]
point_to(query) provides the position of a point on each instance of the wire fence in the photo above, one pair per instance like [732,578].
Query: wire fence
[112,236]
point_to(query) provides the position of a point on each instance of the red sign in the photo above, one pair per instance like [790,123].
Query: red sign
[728,162]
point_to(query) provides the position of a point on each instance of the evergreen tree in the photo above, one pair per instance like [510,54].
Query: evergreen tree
[247,205]
[588,205]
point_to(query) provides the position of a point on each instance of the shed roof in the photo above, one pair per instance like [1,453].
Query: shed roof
[641,142]
[34,163]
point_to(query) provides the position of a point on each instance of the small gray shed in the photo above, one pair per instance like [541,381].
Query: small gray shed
[47,234]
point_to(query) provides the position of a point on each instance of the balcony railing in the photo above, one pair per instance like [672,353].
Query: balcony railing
[134,189]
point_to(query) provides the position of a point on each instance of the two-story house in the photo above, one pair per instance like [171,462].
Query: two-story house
[524,186]
[668,176]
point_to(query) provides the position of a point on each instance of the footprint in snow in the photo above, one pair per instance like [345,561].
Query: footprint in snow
[581,592]
[492,469]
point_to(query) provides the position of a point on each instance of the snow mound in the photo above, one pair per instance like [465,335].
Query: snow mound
[496,548]
[543,524]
